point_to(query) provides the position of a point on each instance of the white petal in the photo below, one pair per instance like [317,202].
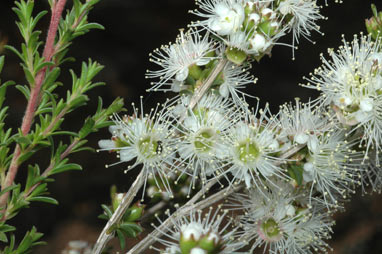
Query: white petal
[191,123]
[223,90]
[106,144]
[361,116]
[290,210]
[198,250]
[203,61]
[366,104]
[313,144]
[255,17]
[182,74]
[126,155]
[258,43]
[301,138]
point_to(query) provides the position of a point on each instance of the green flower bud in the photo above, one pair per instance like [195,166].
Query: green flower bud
[210,243]
[187,243]
[136,212]
[269,28]
[373,27]
[374,24]
[116,200]
[194,71]
[235,55]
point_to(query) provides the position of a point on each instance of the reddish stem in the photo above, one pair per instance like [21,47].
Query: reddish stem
[34,98]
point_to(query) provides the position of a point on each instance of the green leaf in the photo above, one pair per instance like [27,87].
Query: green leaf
[3,237]
[23,140]
[3,90]
[129,230]
[107,210]
[121,238]
[15,51]
[30,239]
[52,77]
[24,90]
[1,63]
[10,188]
[66,167]
[87,128]
[48,200]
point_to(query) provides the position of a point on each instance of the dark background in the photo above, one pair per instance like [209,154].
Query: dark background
[133,29]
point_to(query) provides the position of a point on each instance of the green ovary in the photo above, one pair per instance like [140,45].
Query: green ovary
[270,228]
[248,151]
[148,147]
[204,140]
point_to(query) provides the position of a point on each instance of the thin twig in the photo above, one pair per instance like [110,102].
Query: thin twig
[206,85]
[105,235]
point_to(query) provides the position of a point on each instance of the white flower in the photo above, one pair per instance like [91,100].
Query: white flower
[145,139]
[235,78]
[333,168]
[302,123]
[305,14]
[201,145]
[200,234]
[224,17]
[351,83]
[176,59]
[280,219]
[252,145]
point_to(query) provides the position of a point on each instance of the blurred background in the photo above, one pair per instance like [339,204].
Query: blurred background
[133,29]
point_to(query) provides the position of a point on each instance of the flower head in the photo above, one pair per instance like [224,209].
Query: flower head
[351,82]
[252,146]
[179,60]
[332,168]
[303,123]
[143,138]
[281,220]
[235,78]
[202,144]
[303,15]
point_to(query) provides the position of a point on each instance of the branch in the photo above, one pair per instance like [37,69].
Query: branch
[34,97]
[105,235]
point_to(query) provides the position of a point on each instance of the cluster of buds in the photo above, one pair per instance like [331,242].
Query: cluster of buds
[374,24]
[199,234]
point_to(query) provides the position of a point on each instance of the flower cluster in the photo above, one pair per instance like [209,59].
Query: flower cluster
[252,27]
[297,166]
[351,84]
[283,220]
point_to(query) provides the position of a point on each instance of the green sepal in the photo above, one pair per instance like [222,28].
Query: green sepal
[235,55]
[186,244]
[296,172]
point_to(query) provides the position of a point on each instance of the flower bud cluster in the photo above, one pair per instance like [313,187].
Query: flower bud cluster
[201,234]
